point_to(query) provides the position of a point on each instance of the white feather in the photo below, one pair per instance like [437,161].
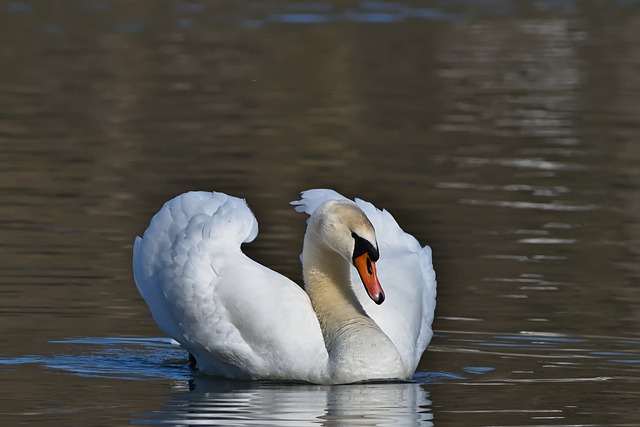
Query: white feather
[406,273]
[242,320]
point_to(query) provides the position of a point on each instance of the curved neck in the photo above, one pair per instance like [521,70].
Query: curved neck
[327,279]
[357,347]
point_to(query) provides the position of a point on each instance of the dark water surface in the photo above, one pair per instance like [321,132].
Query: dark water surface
[505,134]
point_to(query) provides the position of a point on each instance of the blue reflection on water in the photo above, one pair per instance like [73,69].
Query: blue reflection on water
[137,359]
[299,18]
[158,358]
[199,399]
[368,12]
[256,15]
[478,370]
[118,358]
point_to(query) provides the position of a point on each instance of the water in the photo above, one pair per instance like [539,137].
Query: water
[504,134]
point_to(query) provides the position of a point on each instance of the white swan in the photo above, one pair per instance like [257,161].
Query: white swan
[242,320]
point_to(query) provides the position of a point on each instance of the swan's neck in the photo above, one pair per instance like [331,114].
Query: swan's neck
[327,280]
[357,347]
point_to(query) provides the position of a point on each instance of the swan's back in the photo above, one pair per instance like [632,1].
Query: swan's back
[406,274]
[180,225]
[237,317]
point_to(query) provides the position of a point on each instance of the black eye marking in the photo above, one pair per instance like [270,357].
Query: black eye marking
[363,246]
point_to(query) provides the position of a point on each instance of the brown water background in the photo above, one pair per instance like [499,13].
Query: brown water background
[504,134]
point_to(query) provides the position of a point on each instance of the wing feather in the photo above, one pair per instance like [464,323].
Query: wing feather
[237,317]
[406,274]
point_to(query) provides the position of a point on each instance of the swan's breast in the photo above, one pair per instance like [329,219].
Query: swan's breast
[363,352]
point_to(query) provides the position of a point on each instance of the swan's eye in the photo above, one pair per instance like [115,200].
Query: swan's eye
[363,246]
[365,256]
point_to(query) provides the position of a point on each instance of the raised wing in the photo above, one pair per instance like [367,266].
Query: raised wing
[406,274]
[237,317]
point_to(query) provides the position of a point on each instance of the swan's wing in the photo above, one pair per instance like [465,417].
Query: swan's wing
[238,318]
[406,274]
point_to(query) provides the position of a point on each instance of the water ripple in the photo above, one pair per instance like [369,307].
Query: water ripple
[473,359]
[553,206]
[117,358]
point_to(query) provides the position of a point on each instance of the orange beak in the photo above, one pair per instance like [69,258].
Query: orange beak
[367,271]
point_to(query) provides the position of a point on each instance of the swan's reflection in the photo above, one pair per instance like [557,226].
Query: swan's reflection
[220,402]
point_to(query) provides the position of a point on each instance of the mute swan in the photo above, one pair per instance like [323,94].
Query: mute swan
[241,320]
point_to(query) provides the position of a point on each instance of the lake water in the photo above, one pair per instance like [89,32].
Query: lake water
[504,134]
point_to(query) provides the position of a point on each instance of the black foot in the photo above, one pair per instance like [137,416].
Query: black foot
[193,364]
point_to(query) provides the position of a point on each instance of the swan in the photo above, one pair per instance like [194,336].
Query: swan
[365,312]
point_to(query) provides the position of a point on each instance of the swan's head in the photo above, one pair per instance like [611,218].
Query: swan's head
[346,229]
